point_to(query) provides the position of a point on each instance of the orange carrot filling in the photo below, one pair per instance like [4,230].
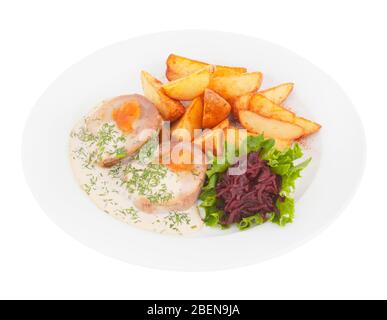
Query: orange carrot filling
[183,162]
[178,167]
[126,115]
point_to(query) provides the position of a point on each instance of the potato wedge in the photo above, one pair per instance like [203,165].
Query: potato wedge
[211,140]
[184,128]
[271,128]
[215,110]
[278,94]
[191,86]
[228,71]
[282,144]
[237,136]
[267,108]
[308,126]
[223,125]
[240,103]
[170,110]
[180,67]
[232,86]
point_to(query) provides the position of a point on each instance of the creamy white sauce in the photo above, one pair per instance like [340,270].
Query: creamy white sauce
[112,189]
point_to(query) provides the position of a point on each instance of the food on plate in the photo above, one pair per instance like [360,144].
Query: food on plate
[180,185]
[184,128]
[191,86]
[240,103]
[271,128]
[237,136]
[211,140]
[214,140]
[308,126]
[134,187]
[278,94]
[215,109]
[127,121]
[205,148]
[180,67]
[234,136]
[263,193]
[232,86]
[281,144]
[267,103]
[169,109]
[267,108]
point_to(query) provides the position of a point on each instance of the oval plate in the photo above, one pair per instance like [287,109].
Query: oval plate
[338,150]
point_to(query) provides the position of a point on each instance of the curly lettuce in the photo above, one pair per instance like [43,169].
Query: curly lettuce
[281,163]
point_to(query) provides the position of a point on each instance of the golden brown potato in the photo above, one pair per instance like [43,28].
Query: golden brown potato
[191,86]
[215,110]
[180,67]
[267,108]
[232,86]
[271,128]
[308,126]
[278,94]
[169,109]
[240,103]
[237,136]
[184,128]
[212,140]
[283,144]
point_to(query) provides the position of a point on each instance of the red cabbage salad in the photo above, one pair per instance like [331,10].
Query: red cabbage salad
[263,193]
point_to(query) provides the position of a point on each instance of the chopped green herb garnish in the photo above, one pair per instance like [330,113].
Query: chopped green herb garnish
[175,219]
[146,181]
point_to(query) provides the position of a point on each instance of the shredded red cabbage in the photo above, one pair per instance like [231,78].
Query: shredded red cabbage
[256,191]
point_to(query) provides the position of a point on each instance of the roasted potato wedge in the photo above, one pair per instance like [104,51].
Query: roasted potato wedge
[283,144]
[308,126]
[169,109]
[184,128]
[271,128]
[240,103]
[191,86]
[267,108]
[180,67]
[237,136]
[278,94]
[232,86]
[215,110]
[211,140]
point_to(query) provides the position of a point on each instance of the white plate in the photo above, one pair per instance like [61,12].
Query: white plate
[328,184]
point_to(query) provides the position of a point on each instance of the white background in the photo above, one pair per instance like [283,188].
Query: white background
[39,39]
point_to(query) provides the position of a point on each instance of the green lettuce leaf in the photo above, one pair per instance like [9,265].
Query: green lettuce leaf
[212,217]
[247,223]
[286,211]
